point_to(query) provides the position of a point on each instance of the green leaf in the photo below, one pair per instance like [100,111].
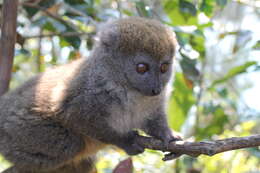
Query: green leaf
[40,21]
[207,7]
[90,42]
[23,51]
[63,42]
[234,72]
[223,92]
[180,102]
[183,38]
[197,41]
[215,125]
[189,68]
[127,12]
[206,25]
[43,4]
[74,2]
[257,45]
[49,26]
[221,3]
[59,27]
[142,9]
[90,2]
[74,41]
[181,12]
[31,11]
[187,8]
[208,108]
[4,163]
[87,9]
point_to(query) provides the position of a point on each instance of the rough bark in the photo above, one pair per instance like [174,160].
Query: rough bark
[195,149]
[7,42]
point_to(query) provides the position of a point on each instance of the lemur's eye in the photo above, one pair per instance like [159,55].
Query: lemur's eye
[142,68]
[164,67]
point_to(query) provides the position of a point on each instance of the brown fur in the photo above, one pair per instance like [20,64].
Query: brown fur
[92,146]
[143,35]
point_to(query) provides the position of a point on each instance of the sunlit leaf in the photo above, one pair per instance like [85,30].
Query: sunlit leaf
[127,12]
[257,45]
[207,7]
[180,102]
[234,72]
[4,164]
[215,125]
[197,40]
[63,42]
[203,26]
[183,13]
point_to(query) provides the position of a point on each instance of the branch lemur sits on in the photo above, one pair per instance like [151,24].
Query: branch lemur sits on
[59,119]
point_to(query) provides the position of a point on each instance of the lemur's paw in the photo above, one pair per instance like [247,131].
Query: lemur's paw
[131,146]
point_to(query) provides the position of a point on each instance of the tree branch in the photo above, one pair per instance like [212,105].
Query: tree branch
[195,149]
[7,42]
[64,34]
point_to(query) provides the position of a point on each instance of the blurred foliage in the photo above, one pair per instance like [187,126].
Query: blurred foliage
[214,61]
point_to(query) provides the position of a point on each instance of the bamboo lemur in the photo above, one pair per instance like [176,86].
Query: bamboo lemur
[59,119]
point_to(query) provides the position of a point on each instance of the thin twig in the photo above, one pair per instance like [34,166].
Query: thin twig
[64,34]
[71,9]
[54,16]
[195,149]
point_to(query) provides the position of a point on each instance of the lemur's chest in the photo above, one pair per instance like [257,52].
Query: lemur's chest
[132,113]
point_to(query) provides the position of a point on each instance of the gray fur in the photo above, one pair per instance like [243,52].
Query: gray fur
[60,118]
